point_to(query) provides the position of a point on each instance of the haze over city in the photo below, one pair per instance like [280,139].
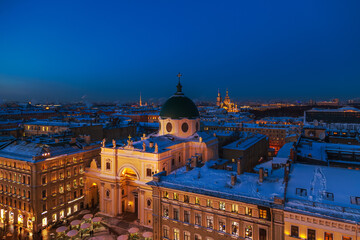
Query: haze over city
[65,50]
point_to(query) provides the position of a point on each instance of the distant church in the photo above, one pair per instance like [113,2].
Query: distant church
[226,104]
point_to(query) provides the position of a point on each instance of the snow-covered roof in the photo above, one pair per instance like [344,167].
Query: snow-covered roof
[164,142]
[328,191]
[217,183]
[247,139]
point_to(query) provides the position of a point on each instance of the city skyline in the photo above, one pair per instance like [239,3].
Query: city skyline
[283,50]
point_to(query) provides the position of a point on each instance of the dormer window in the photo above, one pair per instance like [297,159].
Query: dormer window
[355,200]
[328,196]
[301,192]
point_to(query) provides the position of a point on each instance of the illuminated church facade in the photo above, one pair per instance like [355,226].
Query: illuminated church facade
[119,185]
[227,104]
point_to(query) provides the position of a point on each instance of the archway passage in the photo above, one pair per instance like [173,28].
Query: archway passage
[129,189]
[94,195]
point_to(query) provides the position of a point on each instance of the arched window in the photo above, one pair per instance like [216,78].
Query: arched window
[108,164]
[107,193]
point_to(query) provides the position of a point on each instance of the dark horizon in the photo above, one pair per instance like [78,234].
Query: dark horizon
[111,52]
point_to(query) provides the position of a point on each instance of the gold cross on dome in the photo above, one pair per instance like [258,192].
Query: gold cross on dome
[179,76]
[129,137]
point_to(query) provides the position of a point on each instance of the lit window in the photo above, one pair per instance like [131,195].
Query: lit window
[176,196]
[68,211]
[54,217]
[235,228]
[208,203]
[248,211]
[222,225]
[44,221]
[197,200]
[166,212]
[62,214]
[222,205]
[234,208]
[328,236]
[165,194]
[209,221]
[176,234]
[263,213]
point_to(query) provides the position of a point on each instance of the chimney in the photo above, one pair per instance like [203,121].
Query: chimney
[151,144]
[261,175]
[266,173]
[233,179]
[87,139]
[194,160]
[188,167]
[238,166]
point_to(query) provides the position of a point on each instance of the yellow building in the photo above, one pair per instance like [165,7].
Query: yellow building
[41,181]
[120,182]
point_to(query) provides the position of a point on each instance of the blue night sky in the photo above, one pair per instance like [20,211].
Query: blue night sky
[112,50]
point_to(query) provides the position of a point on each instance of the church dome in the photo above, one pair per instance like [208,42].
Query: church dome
[178,106]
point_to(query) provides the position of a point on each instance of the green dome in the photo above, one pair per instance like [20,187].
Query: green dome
[179,106]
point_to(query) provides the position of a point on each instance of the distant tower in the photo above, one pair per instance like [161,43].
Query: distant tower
[218,99]
[227,98]
[140,103]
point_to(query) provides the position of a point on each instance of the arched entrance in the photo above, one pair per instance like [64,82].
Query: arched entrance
[129,191]
[94,195]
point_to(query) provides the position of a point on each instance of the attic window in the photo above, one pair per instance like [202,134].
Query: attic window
[328,196]
[355,200]
[301,192]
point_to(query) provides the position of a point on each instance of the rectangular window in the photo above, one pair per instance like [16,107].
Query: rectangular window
[186,236]
[222,226]
[165,194]
[301,192]
[148,172]
[197,201]
[294,231]
[263,213]
[198,219]
[235,228]
[248,211]
[355,200]
[175,196]
[186,216]
[166,212]
[222,206]
[208,203]
[176,214]
[186,198]
[328,196]
[234,208]
[176,234]
[165,232]
[346,238]
[328,236]
[209,221]
[311,234]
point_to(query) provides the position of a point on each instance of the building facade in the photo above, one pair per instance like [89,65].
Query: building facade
[42,182]
[125,170]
